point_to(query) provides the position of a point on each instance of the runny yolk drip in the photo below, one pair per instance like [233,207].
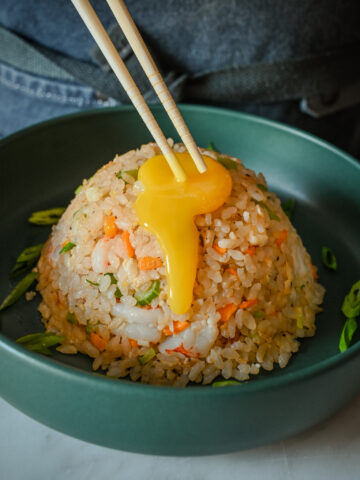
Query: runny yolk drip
[167,209]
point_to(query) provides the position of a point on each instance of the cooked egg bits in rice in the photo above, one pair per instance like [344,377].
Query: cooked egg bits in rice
[217,285]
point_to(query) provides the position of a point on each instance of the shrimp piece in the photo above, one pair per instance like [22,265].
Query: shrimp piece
[106,254]
[100,256]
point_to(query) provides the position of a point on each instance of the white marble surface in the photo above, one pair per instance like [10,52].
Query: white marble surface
[30,451]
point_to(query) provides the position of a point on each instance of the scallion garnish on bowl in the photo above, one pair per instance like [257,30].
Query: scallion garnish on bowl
[351,310]
[19,290]
[47,217]
[328,258]
[26,259]
[41,342]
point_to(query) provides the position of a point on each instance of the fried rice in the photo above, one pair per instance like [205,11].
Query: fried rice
[255,293]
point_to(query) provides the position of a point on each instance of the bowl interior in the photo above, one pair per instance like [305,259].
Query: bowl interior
[42,166]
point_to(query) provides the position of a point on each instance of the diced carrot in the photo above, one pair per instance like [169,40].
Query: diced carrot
[110,227]
[97,341]
[133,343]
[179,326]
[314,271]
[250,251]
[184,351]
[227,311]
[232,271]
[130,250]
[247,303]
[149,263]
[218,249]
[167,332]
[66,241]
[281,237]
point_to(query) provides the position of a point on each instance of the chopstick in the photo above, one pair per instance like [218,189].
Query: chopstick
[142,53]
[102,39]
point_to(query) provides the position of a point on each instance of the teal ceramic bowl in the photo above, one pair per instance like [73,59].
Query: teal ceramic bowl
[41,166]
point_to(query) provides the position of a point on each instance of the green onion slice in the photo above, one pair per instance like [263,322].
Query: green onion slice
[40,342]
[147,293]
[117,293]
[351,304]
[89,327]
[112,278]
[147,356]
[262,187]
[347,334]
[225,161]
[46,217]
[132,173]
[67,247]
[272,215]
[26,259]
[79,188]
[225,383]
[72,318]
[93,283]
[288,207]
[328,258]
[19,290]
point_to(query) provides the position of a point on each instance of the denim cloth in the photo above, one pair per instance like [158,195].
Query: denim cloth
[26,99]
[189,37]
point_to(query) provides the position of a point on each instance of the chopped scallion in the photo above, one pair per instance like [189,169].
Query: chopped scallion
[113,280]
[19,289]
[147,356]
[67,247]
[72,318]
[46,217]
[225,383]
[79,188]
[288,207]
[262,187]
[225,161]
[93,283]
[328,258]
[132,173]
[40,342]
[26,259]
[89,327]
[347,334]
[117,293]
[351,304]
[272,215]
[145,295]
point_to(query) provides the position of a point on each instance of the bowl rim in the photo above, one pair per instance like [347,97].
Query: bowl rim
[71,373]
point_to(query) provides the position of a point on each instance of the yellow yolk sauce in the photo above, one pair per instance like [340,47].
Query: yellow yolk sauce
[167,209]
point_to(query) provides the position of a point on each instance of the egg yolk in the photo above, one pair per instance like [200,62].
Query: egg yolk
[167,209]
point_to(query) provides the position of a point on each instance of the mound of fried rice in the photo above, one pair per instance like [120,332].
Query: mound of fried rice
[255,293]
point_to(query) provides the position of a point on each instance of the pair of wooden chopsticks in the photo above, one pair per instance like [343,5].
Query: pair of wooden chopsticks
[136,42]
